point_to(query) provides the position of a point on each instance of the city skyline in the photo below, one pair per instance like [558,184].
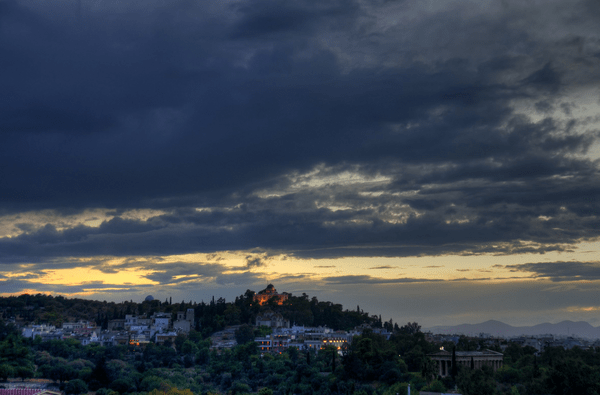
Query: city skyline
[428,161]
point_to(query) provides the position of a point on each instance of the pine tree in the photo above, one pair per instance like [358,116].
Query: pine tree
[454,371]
[536,368]
[333,361]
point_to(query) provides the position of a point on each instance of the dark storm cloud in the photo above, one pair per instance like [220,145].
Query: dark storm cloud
[261,19]
[183,105]
[28,276]
[329,234]
[256,261]
[560,271]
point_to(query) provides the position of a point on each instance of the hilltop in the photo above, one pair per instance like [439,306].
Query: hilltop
[209,317]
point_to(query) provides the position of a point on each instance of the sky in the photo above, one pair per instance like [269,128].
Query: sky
[430,161]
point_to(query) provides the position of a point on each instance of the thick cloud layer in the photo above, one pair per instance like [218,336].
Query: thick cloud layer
[345,128]
[561,271]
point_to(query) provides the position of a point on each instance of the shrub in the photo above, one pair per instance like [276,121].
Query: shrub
[76,387]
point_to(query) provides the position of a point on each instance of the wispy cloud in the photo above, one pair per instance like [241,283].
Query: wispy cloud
[364,279]
[560,271]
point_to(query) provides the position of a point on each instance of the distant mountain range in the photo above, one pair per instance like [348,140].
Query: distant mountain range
[497,328]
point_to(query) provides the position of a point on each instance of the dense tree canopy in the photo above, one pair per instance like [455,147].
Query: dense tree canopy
[370,365]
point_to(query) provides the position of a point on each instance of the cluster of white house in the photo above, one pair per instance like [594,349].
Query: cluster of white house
[304,338]
[130,330]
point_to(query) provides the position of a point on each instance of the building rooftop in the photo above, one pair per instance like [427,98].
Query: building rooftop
[467,353]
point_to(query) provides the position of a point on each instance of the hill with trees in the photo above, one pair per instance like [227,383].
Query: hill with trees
[209,317]
[370,365]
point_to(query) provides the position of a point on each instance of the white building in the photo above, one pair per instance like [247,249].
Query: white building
[31,331]
[272,320]
[185,321]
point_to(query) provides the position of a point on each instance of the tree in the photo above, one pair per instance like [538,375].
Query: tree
[397,389]
[106,391]
[435,386]
[189,348]
[7,329]
[15,353]
[62,372]
[240,388]
[170,391]
[122,385]
[477,381]
[150,383]
[572,376]
[179,340]
[454,371]
[536,368]
[333,354]
[265,391]
[429,370]
[415,358]
[99,376]
[24,372]
[6,371]
[244,334]
[293,353]
[411,328]
[76,387]
[390,372]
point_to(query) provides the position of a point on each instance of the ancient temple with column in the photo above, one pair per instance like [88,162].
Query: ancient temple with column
[443,358]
